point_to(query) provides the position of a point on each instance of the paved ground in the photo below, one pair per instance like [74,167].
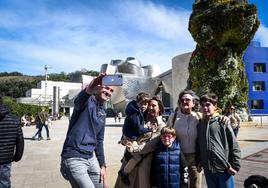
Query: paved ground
[40,165]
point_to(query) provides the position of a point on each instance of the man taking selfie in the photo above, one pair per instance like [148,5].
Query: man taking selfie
[79,165]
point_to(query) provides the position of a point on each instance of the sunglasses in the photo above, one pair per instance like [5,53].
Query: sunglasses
[185,100]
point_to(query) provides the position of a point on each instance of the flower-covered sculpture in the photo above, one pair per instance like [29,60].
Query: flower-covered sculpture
[222,29]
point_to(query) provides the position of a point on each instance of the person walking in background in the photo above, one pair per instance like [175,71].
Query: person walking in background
[120,115]
[185,120]
[83,161]
[41,121]
[11,144]
[24,121]
[234,119]
[218,152]
[115,115]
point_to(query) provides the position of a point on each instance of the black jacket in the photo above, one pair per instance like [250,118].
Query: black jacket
[11,137]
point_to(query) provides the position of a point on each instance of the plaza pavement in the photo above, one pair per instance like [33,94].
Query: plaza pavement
[39,167]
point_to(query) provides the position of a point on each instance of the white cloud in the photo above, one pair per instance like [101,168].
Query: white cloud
[262,35]
[74,39]
[156,19]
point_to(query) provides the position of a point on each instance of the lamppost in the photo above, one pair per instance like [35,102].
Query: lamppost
[161,92]
[46,67]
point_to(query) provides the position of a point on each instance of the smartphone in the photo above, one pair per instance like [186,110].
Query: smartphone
[112,80]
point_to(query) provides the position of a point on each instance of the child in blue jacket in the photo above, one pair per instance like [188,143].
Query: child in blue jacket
[133,127]
[166,162]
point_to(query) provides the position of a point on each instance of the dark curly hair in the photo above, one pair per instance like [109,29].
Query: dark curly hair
[160,104]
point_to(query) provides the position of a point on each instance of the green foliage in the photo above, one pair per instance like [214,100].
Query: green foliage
[224,25]
[225,78]
[19,110]
[91,73]
[59,77]
[10,74]
[15,85]
[222,29]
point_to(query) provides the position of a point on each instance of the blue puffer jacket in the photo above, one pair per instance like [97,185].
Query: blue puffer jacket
[134,122]
[165,171]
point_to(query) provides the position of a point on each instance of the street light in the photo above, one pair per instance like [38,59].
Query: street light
[161,92]
[46,67]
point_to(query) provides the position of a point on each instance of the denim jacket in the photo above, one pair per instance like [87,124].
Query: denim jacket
[86,129]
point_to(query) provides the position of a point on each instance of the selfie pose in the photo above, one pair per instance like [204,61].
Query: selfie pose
[83,162]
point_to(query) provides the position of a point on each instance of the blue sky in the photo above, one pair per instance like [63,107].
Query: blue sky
[71,35]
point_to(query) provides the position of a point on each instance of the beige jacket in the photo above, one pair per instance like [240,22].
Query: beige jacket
[139,166]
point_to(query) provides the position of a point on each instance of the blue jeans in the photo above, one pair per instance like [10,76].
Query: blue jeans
[81,173]
[39,132]
[5,170]
[219,179]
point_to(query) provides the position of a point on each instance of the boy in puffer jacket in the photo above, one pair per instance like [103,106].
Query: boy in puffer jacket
[166,160]
[166,163]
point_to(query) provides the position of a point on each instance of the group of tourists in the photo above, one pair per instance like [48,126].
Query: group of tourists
[202,142]
[157,153]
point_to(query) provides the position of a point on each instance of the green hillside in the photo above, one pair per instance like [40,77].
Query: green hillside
[16,86]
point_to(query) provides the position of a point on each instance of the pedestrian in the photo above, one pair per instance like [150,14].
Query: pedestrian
[11,144]
[41,121]
[218,152]
[115,115]
[83,161]
[234,119]
[185,120]
[120,115]
[24,121]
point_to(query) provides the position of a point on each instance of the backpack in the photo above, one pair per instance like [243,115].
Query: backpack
[257,181]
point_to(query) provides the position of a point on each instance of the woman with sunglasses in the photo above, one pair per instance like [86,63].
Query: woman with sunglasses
[185,120]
